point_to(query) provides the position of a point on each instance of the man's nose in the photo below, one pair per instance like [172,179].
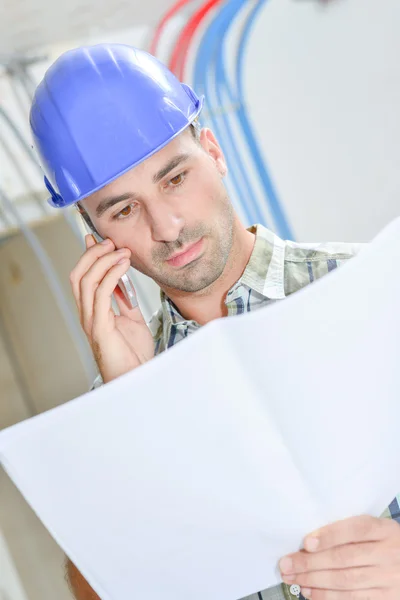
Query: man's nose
[166,223]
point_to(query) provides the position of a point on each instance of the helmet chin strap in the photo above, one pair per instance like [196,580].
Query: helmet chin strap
[55,199]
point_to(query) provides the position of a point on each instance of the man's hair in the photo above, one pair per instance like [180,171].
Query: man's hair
[195,129]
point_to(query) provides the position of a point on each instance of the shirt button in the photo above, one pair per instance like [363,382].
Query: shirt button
[295,590]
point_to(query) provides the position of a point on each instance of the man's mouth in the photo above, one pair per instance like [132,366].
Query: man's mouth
[187,255]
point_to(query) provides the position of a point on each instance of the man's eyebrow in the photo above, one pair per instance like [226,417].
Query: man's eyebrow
[174,162]
[109,202]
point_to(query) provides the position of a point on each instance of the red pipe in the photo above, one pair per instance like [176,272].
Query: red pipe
[161,25]
[179,56]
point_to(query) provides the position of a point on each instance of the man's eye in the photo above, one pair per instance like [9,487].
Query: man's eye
[177,180]
[125,212]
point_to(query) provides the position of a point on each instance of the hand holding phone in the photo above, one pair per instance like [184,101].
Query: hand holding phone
[121,342]
[125,284]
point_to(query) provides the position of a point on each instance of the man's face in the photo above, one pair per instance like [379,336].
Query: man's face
[172,212]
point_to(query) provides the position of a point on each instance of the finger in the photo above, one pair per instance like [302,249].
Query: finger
[340,557]
[93,253]
[91,281]
[359,578]
[89,241]
[102,300]
[125,306]
[375,594]
[355,529]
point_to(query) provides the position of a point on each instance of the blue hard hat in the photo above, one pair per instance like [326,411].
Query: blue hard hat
[100,111]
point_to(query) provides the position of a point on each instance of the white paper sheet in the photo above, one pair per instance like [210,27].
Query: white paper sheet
[192,476]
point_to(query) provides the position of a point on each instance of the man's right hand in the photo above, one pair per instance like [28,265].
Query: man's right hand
[119,343]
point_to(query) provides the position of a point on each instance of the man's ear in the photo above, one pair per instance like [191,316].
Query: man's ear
[210,145]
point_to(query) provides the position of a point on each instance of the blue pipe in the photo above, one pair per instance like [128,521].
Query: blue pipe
[277,211]
[227,16]
[206,55]
[209,49]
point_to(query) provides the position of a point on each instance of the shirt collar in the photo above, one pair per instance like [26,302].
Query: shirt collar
[265,270]
[169,311]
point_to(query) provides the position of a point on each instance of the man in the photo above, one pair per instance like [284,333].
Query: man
[118,136]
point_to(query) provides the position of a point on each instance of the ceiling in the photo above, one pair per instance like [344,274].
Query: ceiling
[27,26]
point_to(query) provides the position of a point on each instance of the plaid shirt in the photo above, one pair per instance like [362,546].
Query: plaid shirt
[275,270]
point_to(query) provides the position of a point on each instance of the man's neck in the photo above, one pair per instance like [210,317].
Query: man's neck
[210,303]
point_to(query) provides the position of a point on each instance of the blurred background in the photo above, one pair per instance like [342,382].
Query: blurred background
[304,98]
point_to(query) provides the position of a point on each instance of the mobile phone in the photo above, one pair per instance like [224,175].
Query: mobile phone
[124,284]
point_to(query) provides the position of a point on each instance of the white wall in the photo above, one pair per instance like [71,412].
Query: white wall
[323,89]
